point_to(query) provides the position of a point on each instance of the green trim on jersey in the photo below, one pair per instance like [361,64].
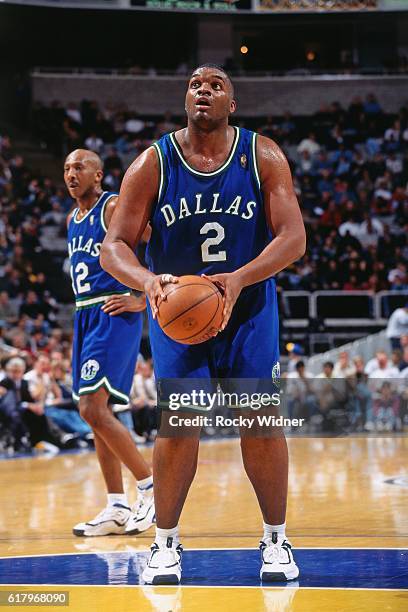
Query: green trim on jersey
[215,172]
[104,382]
[94,300]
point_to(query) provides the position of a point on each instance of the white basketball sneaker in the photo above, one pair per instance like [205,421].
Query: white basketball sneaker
[142,516]
[111,520]
[164,565]
[278,564]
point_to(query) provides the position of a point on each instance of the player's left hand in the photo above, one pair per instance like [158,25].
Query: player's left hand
[117,304]
[230,286]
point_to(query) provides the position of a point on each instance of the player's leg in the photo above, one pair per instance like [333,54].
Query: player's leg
[108,357]
[175,454]
[95,411]
[255,357]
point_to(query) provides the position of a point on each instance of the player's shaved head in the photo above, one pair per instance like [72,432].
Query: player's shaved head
[85,156]
[223,75]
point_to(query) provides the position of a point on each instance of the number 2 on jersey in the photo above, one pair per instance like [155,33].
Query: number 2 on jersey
[81,272]
[217,239]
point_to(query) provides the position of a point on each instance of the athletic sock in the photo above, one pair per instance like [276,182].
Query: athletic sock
[145,486]
[269,530]
[117,498]
[162,536]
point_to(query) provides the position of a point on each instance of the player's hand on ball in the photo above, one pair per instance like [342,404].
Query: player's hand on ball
[230,286]
[117,304]
[154,290]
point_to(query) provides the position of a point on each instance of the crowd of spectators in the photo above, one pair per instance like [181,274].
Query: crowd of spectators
[350,170]
[351,394]
[350,174]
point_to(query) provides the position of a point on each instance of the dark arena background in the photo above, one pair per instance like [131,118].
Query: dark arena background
[328,81]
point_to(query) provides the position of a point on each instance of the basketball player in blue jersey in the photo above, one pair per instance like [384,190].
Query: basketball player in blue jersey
[220,201]
[107,333]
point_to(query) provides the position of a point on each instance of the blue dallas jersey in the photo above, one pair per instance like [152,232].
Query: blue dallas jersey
[207,222]
[85,236]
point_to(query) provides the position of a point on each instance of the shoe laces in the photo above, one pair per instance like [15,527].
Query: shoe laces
[109,512]
[165,555]
[272,553]
[140,504]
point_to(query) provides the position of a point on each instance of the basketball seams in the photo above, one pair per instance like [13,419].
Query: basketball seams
[180,314]
[208,324]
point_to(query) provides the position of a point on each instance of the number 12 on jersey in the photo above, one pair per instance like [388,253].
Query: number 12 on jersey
[78,277]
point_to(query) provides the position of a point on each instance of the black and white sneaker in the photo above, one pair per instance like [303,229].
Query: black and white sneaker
[278,564]
[164,565]
[143,515]
[112,520]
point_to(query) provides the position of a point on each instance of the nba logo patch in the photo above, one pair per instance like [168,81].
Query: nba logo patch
[243,160]
[91,220]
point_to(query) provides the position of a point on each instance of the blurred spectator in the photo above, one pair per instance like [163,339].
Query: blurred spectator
[397,326]
[386,409]
[143,397]
[343,368]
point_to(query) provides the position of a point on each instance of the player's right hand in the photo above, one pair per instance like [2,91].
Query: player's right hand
[153,289]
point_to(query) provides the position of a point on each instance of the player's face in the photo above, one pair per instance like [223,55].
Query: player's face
[209,96]
[80,175]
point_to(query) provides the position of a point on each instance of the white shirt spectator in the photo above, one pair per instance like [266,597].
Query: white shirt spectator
[389,371]
[95,144]
[38,384]
[392,134]
[353,228]
[394,165]
[398,323]
[307,144]
[134,126]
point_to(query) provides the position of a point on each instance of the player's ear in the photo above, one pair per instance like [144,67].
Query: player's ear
[99,176]
[233,106]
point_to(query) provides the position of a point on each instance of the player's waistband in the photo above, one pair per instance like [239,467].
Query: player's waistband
[89,301]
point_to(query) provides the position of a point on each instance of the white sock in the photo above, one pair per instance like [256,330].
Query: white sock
[163,534]
[117,498]
[145,486]
[271,529]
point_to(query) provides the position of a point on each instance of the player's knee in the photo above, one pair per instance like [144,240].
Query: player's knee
[93,411]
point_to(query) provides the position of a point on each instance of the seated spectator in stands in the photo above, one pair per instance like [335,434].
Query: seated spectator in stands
[344,368]
[8,309]
[23,404]
[95,144]
[371,105]
[386,409]
[385,370]
[134,125]
[39,380]
[61,408]
[309,144]
[143,397]
[295,352]
[73,112]
[397,326]
[302,401]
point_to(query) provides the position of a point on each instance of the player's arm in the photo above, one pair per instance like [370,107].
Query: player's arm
[132,212]
[285,220]
[282,213]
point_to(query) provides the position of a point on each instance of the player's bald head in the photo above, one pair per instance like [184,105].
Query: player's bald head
[217,70]
[86,157]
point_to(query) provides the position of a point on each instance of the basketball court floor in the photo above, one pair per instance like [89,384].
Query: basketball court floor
[347,519]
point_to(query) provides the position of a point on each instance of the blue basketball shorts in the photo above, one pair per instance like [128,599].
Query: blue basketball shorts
[248,347]
[104,352]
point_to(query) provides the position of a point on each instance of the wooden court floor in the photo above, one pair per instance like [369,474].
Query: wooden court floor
[347,517]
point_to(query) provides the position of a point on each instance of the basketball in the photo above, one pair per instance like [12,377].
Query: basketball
[192,311]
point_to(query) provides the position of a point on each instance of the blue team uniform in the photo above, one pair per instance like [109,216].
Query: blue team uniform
[105,347]
[214,222]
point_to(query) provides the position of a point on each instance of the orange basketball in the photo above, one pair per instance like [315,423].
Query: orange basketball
[192,310]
